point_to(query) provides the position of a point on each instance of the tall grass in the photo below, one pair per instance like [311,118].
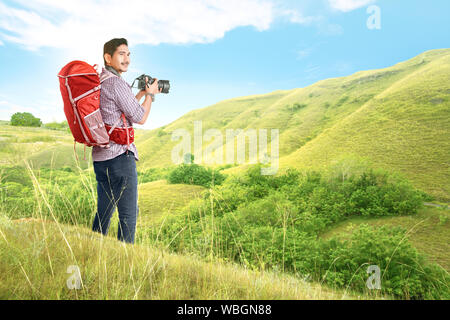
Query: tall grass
[36,253]
[37,249]
[35,257]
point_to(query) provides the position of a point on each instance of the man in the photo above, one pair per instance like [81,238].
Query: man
[115,167]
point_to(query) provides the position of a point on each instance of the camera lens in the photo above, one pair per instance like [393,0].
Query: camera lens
[164,86]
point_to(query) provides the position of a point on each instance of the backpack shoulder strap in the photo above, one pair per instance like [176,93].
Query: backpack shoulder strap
[105,75]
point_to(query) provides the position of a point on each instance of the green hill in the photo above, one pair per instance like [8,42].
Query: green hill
[397,117]
[404,127]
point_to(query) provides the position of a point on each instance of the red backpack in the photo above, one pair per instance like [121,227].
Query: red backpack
[80,87]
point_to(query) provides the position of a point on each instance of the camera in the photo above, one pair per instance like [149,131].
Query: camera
[163,85]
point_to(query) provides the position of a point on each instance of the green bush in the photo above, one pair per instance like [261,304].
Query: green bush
[341,101]
[16,199]
[67,196]
[62,126]
[25,119]
[195,174]
[152,174]
[296,107]
[404,272]
[15,174]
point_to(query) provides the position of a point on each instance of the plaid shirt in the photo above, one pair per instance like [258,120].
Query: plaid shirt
[116,97]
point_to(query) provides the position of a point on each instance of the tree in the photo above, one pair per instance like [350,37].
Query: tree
[25,119]
[347,165]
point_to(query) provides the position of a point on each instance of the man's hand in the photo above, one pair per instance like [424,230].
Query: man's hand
[153,88]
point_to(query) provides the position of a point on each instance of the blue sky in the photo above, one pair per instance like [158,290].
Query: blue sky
[210,50]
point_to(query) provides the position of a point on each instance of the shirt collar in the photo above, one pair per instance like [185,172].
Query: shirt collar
[112,70]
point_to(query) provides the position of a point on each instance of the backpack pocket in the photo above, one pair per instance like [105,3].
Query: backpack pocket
[96,127]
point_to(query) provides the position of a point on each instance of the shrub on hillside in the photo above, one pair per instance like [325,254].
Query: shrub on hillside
[64,195]
[25,119]
[16,199]
[195,174]
[152,174]
[62,126]
[404,272]
[15,174]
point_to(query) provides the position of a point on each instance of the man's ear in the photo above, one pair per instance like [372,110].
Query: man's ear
[107,58]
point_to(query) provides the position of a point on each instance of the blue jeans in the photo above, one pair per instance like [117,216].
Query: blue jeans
[117,186]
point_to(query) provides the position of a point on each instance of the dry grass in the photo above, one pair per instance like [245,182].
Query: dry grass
[35,256]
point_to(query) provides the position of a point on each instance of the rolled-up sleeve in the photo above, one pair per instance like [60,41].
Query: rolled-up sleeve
[127,102]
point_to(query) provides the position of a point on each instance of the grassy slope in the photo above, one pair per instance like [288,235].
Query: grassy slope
[15,142]
[234,113]
[428,231]
[397,117]
[405,127]
[43,147]
[158,199]
[35,255]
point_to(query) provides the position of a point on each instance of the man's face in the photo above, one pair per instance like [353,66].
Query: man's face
[120,59]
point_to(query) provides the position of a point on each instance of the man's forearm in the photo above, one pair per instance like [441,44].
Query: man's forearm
[147,105]
[140,95]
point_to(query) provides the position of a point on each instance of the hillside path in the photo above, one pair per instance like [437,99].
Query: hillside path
[430,204]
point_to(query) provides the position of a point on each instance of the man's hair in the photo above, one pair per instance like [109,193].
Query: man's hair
[111,46]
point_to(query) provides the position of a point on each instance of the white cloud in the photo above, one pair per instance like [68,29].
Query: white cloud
[296,16]
[349,5]
[83,26]
[81,23]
